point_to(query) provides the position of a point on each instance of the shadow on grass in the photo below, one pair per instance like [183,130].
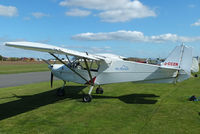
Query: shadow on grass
[31,102]
[133,98]
[139,98]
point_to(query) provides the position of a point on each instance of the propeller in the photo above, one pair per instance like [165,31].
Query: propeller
[51,79]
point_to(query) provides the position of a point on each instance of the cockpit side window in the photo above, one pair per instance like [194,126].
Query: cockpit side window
[80,64]
[93,65]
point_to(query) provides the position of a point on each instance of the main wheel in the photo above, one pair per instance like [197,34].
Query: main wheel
[60,92]
[87,98]
[99,90]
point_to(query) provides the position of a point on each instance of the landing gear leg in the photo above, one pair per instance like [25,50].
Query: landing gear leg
[61,91]
[88,97]
[99,90]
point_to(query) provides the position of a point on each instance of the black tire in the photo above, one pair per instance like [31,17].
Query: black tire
[99,90]
[87,98]
[60,92]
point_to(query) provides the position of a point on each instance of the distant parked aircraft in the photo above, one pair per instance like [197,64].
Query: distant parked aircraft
[111,68]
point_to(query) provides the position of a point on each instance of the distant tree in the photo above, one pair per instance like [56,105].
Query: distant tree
[1,57]
[13,59]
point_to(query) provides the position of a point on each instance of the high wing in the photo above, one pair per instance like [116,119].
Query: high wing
[52,49]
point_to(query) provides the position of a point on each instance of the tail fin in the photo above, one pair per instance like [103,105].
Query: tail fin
[174,59]
[181,59]
[186,62]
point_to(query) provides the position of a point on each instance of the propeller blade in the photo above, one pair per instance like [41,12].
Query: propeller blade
[51,79]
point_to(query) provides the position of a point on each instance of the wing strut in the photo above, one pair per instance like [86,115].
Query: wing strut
[87,67]
[68,59]
[69,67]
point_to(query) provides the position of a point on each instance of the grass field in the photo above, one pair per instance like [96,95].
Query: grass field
[9,68]
[126,108]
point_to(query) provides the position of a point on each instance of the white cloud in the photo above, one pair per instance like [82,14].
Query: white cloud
[134,36]
[113,10]
[124,15]
[196,23]
[39,15]
[77,12]
[9,11]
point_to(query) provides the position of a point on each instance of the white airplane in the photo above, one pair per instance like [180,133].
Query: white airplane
[111,68]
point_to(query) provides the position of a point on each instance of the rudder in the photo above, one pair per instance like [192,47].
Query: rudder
[181,59]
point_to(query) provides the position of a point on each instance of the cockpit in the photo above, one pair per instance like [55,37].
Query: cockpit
[79,63]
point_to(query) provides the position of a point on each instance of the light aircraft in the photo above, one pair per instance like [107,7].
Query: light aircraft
[111,68]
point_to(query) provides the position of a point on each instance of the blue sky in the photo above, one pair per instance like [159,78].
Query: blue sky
[138,28]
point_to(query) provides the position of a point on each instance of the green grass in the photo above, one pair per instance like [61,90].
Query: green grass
[23,68]
[126,108]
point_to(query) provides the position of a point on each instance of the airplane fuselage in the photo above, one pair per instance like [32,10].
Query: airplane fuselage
[117,71]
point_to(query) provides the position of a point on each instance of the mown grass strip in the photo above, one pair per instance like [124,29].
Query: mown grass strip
[123,108]
[10,69]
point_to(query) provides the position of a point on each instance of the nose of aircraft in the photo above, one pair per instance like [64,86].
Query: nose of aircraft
[56,68]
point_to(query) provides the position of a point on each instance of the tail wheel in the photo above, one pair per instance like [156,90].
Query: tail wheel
[99,90]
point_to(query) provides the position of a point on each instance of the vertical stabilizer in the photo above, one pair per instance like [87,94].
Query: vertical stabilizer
[186,61]
[180,59]
[175,57]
